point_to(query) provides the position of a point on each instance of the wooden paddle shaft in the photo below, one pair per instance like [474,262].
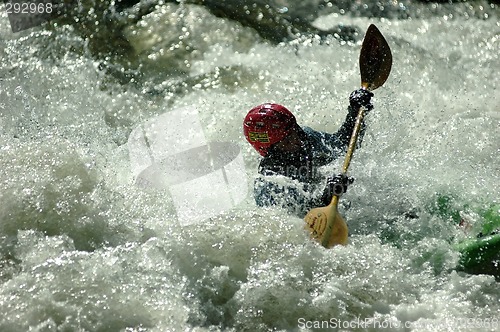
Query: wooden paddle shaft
[354,139]
[335,199]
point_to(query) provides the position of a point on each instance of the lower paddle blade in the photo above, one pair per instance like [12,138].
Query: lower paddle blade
[375,60]
[316,221]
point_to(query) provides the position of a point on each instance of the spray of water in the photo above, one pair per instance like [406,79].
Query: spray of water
[82,247]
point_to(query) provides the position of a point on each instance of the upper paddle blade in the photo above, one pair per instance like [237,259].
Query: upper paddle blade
[375,60]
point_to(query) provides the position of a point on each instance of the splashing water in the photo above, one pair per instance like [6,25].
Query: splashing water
[82,248]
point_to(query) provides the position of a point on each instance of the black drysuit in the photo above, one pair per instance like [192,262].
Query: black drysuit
[292,180]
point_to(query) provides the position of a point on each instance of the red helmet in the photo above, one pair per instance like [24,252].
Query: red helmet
[267,124]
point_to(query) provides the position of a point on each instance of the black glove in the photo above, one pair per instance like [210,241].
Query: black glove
[361,97]
[337,186]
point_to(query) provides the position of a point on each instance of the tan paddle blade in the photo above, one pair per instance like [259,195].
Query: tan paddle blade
[375,60]
[317,220]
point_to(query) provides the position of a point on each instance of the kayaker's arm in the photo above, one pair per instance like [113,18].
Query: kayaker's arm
[295,197]
[358,98]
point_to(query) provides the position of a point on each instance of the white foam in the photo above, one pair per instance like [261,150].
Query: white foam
[81,247]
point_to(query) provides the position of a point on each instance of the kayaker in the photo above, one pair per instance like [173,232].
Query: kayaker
[288,173]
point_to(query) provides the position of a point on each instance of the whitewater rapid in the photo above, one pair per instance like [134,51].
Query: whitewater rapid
[83,247]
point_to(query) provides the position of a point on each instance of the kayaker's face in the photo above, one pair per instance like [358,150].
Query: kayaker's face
[291,143]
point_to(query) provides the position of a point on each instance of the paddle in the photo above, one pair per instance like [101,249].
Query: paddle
[375,62]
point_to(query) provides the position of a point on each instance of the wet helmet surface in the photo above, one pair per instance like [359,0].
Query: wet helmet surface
[266,125]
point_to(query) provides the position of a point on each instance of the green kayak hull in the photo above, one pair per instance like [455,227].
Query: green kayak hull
[480,252]
[481,255]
